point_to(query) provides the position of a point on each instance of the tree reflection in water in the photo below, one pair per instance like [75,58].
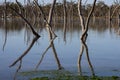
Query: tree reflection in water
[84,47]
[19,59]
[5,26]
[51,45]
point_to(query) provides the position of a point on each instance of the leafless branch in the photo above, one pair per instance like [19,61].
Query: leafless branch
[32,29]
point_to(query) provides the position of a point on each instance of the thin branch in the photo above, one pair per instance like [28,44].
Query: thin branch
[33,31]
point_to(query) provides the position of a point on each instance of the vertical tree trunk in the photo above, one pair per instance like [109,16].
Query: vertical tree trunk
[5,24]
[84,26]
[65,18]
[51,12]
[118,20]
[50,18]
[65,11]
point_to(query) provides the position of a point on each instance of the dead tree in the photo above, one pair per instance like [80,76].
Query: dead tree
[48,22]
[84,25]
[50,17]
[5,23]
[51,34]
[24,18]
[65,18]
[51,12]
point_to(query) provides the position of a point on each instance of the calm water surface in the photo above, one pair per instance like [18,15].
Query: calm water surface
[103,44]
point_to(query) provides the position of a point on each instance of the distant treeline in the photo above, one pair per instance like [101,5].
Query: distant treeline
[101,9]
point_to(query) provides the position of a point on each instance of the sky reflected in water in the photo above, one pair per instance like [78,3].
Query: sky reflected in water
[103,45]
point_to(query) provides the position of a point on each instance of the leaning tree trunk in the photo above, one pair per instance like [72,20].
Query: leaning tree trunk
[25,19]
[50,18]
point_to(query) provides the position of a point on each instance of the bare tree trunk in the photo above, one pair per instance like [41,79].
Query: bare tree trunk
[50,17]
[80,15]
[30,25]
[5,12]
[65,11]
[119,20]
[51,12]
[5,24]
[84,26]
[49,26]
[65,19]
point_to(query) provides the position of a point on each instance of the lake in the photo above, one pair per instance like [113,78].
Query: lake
[103,44]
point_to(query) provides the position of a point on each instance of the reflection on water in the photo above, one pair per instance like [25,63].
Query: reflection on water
[84,47]
[24,52]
